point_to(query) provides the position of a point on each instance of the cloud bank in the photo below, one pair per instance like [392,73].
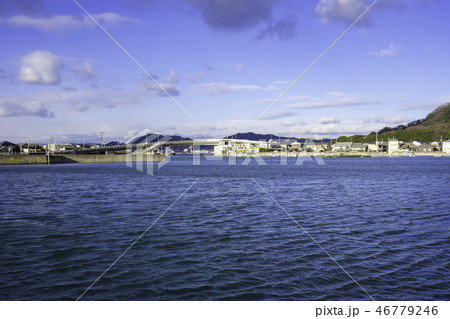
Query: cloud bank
[392,50]
[284,29]
[243,15]
[162,89]
[40,67]
[234,15]
[85,71]
[64,23]
[8,108]
[348,11]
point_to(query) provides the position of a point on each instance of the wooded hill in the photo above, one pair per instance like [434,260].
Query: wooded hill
[426,130]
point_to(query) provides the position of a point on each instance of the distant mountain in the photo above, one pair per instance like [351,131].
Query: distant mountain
[434,126]
[254,136]
[114,143]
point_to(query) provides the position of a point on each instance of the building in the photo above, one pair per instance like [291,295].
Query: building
[359,147]
[393,146]
[437,145]
[342,147]
[316,147]
[383,146]
[8,147]
[311,147]
[296,146]
[425,148]
[233,146]
[446,146]
[223,148]
[371,147]
[60,147]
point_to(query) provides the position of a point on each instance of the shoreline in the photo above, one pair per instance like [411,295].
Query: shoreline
[343,154]
[24,159]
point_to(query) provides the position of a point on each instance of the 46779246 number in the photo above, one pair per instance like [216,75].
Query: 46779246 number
[407,310]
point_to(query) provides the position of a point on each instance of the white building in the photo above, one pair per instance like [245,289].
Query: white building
[58,147]
[446,146]
[342,147]
[372,147]
[233,146]
[393,146]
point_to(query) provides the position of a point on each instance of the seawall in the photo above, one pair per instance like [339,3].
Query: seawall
[348,154]
[20,159]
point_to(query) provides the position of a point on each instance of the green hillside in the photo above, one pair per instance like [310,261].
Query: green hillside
[429,129]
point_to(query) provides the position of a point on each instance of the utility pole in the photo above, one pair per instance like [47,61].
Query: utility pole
[48,150]
[101,138]
[376,142]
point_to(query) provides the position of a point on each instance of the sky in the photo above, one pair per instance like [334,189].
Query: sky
[212,68]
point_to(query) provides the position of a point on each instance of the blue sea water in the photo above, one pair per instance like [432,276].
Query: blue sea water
[352,229]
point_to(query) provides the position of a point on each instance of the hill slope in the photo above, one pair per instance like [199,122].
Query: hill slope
[429,129]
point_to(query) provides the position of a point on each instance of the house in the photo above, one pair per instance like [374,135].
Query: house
[325,146]
[437,145]
[272,144]
[316,147]
[446,146]
[342,147]
[382,146]
[311,147]
[393,146]
[371,147]
[8,147]
[359,147]
[296,146]
[407,146]
[232,146]
[223,148]
[60,147]
[425,148]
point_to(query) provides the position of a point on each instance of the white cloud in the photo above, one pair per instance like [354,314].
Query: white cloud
[173,77]
[31,108]
[64,23]
[40,67]
[348,11]
[340,10]
[277,115]
[80,107]
[267,101]
[392,50]
[85,71]
[162,89]
[329,120]
[337,94]
[333,100]
[223,88]
[218,88]
[67,101]
[194,78]
[237,67]
[388,120]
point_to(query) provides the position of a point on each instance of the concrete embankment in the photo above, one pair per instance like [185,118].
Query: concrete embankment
[19,159]
[351,154]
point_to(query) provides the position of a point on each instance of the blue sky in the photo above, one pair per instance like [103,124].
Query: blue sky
[223,62]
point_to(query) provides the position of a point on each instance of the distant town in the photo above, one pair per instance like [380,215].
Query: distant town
[237,147]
